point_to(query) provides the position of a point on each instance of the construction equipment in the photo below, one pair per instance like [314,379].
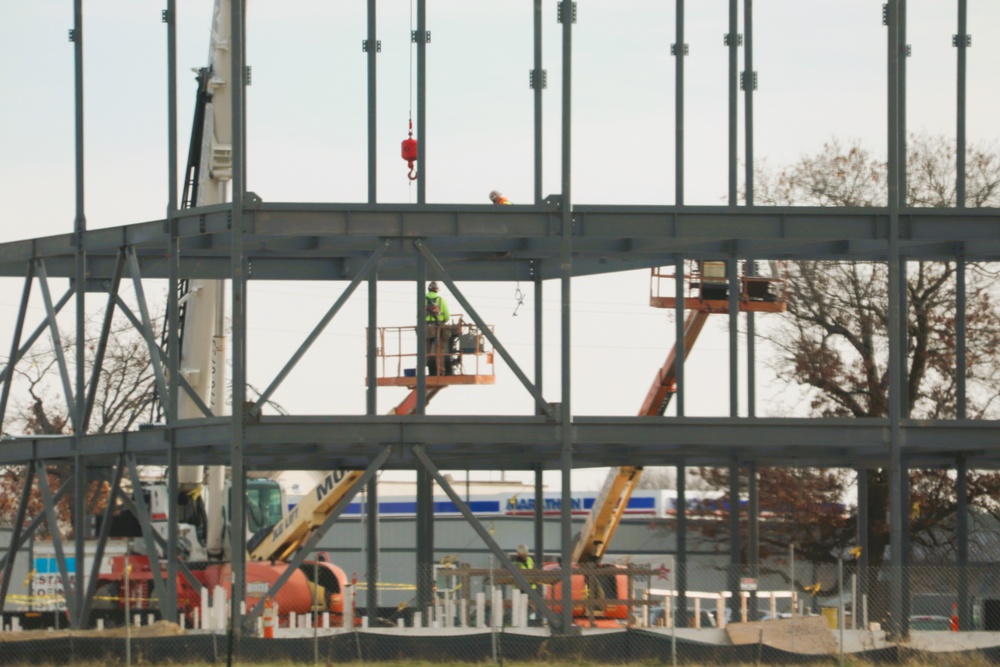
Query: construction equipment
[272,535]
[707,291]
[471,362]
[600,592]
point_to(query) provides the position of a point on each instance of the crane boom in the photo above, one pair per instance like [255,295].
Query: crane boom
[665,383]
[288,535]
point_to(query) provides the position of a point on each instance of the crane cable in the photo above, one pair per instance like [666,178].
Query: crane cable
[412,176]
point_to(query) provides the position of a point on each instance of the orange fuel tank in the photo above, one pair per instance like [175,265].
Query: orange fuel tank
[299,593]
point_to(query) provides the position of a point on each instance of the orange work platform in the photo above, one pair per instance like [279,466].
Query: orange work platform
[458,355]
[706,287]
[436,380]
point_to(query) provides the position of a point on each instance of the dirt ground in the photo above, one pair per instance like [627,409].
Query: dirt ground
[157,629]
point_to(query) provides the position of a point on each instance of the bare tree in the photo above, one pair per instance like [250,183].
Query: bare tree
[125,395]
[125,389]
[834,342]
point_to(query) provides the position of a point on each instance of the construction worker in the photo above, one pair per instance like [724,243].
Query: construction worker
[524,560]
[497,198]
[439,333]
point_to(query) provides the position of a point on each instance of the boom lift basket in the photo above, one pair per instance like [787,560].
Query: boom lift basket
[465,351]
[706,286]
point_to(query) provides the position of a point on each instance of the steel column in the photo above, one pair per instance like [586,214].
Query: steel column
[566,273]
[425,540]
[421,101]
[371,344]
[680,51]
[539,517]
[961,323]
[420,301]
[80,228]
[373,548]
[169,608]
[895,47]
[735,543]
[372,61]
[962,535]
[753,530]
[538,79]
[749,77]
[679,343]
[238,267]
[680,613]
[862,531]
[733,42]
[515,572]
[732,268]
[962,40]
[539,339]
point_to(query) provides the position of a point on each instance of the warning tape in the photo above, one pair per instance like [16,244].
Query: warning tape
[52,598]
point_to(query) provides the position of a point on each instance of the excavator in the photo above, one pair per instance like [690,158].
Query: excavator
[603,597]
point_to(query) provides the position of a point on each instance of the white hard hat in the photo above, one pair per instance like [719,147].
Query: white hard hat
[522,549]
[494,194]
[433,287]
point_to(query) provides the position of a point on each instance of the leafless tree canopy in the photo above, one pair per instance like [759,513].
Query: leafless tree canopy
[125,394]
[833,342]
[125,389]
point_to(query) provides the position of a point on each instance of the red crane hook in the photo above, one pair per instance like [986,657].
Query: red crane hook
[409,153]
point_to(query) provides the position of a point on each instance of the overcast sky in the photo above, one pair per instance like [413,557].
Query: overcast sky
[821,68]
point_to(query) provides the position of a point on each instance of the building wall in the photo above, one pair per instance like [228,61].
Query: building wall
[17,591]
[638,541]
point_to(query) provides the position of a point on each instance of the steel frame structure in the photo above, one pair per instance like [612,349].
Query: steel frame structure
[552,239]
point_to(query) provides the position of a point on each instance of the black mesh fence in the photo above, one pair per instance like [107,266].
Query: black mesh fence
[802,614]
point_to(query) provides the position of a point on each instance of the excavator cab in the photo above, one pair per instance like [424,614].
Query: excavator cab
[265,503]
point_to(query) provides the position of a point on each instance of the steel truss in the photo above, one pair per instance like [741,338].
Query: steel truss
[552,239]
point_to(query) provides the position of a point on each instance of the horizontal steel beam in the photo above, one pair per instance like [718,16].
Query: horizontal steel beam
[480,442]
[330,241]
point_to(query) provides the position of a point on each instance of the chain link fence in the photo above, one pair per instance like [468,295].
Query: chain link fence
[799,613]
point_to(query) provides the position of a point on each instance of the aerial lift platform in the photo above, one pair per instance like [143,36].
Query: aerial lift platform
[706,291]
[469,363]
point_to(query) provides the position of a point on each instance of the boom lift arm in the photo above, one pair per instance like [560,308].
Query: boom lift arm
[606,515]
[287,536]
[665,383]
